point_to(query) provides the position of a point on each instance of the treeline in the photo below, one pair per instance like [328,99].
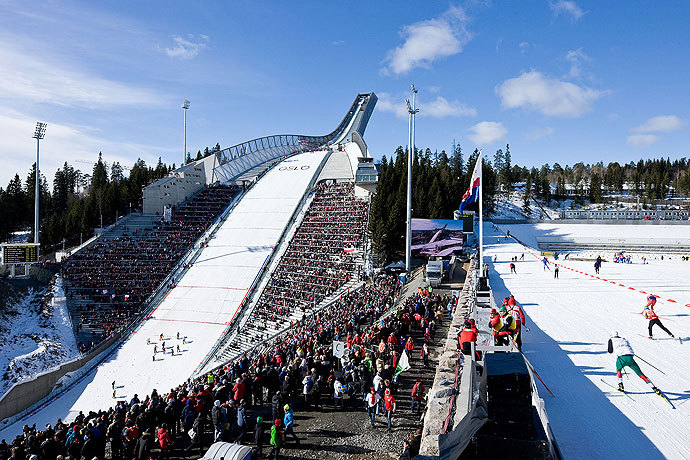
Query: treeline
[78,201]
[440,179]
[438,182]
[649,180]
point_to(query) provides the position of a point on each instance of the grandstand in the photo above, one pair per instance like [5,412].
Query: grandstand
[323,258]
[109,281]
[280,211]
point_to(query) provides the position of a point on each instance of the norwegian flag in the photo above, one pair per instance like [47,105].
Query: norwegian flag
[472,193]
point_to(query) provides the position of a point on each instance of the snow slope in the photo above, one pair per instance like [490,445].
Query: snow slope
[201,305]
[36,338]
[570,321]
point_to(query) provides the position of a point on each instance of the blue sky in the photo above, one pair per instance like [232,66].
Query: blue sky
[561,81]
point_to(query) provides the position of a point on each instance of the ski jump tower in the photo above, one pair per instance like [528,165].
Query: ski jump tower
[236,163]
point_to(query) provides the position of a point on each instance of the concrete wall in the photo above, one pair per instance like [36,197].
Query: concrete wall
[175,188]
[23,395]
[442,395]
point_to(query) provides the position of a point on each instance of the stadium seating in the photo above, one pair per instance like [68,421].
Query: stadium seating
[108,281]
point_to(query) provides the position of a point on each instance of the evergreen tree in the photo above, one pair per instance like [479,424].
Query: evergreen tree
[595,194]
[505,173]
[116,174]
[526,197]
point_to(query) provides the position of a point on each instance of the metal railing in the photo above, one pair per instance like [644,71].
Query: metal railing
[234,160]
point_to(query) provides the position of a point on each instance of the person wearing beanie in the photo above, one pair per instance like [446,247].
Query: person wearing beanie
[277,438]
[372,399]
[624,352]
[289,422]
[259,436]
[653,318]
[495,324]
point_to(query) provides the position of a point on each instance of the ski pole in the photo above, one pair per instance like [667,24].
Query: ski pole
[531,367]
[647,362]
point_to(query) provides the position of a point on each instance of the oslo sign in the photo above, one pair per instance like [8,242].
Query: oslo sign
[293,168]
[19,253]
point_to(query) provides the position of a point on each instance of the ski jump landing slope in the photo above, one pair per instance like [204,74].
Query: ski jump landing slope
[201,305]
[570,321]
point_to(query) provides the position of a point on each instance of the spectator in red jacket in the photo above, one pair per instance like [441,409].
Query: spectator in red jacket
[165,441]
[238,390]
[418,391]
[467,337]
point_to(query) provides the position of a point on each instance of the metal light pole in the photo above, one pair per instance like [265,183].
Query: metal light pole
[39,134]
[411,110]
[185,106]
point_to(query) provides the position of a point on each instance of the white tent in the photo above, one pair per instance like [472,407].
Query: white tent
[227,451]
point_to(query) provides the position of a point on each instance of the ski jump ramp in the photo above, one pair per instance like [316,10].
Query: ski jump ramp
[200,306]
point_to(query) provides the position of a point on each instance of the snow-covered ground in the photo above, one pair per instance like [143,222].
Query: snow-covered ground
[201,305]
[527,233]
[35,339]
[509,205]
[570,321]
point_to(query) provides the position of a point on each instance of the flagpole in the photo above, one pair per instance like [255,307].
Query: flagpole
[481,213]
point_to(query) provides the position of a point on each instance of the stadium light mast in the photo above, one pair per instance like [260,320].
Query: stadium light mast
[185,106]
[39,134]
[411,110]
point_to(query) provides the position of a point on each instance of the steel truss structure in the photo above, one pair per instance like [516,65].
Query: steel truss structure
[231,162]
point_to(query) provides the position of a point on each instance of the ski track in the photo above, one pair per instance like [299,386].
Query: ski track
[571,319]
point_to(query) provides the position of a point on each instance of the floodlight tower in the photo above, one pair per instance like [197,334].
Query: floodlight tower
[411,110]
[39,134]
[185,106]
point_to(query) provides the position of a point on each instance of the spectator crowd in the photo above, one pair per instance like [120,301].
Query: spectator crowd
[294,372]
[320,258]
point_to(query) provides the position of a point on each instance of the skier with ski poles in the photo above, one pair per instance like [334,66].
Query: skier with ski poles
[625,354]
[545,261]
[653,318]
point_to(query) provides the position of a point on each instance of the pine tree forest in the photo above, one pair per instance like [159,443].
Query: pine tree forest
[79,200]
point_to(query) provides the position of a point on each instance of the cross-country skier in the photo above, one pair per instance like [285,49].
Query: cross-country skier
[649,313]
[625,353]
[512,268]
[545,261]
